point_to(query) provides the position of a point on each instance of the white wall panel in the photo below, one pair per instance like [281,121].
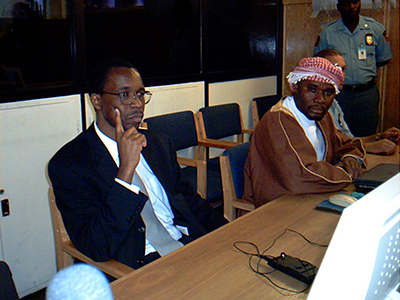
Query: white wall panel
[30,133]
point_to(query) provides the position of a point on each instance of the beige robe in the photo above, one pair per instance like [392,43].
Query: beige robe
[282,159]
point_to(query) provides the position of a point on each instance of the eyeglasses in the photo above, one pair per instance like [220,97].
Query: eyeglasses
[127,98]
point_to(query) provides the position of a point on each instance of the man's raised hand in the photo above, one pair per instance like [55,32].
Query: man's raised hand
[130,144]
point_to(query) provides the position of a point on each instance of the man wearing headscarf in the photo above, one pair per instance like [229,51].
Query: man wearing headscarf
[296,148]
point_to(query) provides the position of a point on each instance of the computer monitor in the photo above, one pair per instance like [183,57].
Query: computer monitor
[362,260]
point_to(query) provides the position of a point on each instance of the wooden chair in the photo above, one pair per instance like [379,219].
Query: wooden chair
[260,105]
[66,251]
[232,164]
[221,121]
[204,174]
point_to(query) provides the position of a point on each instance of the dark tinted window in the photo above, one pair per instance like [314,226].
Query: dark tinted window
[34,44]
[161,38]
[48,47]
[241,35]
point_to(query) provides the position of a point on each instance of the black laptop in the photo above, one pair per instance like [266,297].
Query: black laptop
[377,175]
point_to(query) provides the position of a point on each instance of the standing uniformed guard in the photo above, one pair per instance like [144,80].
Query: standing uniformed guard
[365,46]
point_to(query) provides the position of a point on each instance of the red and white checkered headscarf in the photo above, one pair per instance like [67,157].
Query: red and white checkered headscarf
[316,69]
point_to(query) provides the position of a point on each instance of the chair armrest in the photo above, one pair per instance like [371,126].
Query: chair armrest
[243,205]
[231,203]
[187,161]
[249,131]
[217,143]
[111,267]
[201,166]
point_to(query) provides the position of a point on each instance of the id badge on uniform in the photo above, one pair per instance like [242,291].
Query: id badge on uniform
[362,52]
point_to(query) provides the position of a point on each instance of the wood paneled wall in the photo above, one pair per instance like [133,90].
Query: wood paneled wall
[301,31]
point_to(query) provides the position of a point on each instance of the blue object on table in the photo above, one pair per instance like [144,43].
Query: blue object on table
[326,205]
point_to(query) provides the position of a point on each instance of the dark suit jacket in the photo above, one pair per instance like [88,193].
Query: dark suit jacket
[101,216]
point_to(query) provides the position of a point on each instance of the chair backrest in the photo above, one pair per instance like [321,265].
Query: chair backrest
[261,105]
[183,130]
[181,127]
[232,174]
[222,120]
[237,158]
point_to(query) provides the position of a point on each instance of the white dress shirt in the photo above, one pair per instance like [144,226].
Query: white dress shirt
[310,127]
[154,190]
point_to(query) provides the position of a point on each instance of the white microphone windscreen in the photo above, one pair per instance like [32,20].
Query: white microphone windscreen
[79,282]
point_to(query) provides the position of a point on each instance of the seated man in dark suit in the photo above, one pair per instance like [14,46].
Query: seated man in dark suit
[119,188]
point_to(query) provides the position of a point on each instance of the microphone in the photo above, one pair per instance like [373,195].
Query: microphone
[79,282]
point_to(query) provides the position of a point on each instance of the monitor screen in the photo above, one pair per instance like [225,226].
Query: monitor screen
[362,260]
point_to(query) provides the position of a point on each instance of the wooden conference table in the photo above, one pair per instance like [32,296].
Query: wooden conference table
[211,268]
